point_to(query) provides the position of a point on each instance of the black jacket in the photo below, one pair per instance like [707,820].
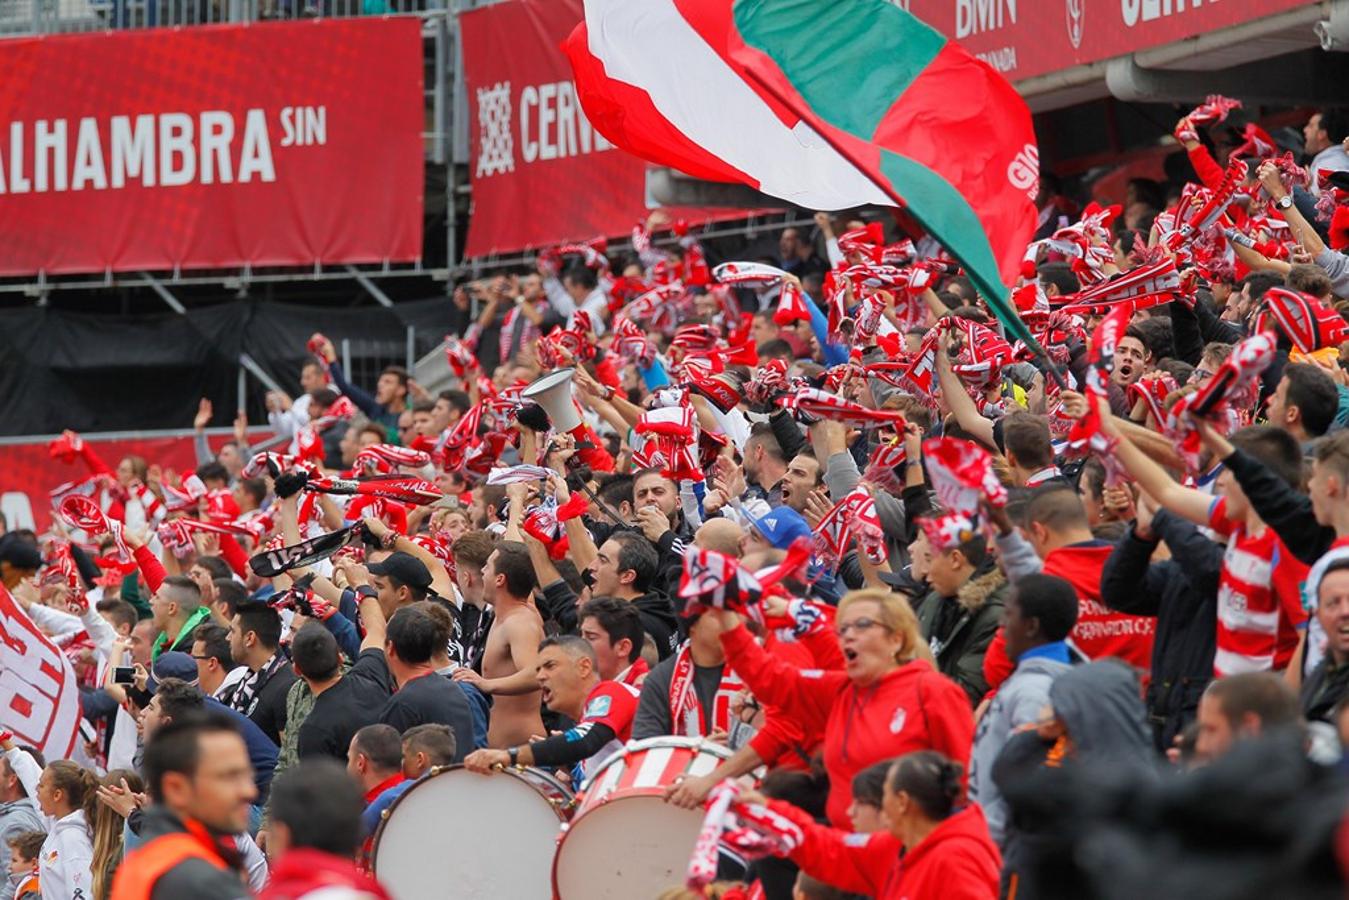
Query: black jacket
[960,628]
[1182,593]
[1193,327]
[269,713]
[1287,511]
[658,620]
[1322,689]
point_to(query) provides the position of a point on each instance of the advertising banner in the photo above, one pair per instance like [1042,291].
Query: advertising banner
[1025,38]
[541,174]
[272,144]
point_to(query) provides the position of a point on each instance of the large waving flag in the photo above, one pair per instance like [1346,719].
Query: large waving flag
[826,104]
[39,698]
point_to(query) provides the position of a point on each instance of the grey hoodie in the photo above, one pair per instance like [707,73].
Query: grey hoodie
[1099,703]
[16,818]
[1018,702]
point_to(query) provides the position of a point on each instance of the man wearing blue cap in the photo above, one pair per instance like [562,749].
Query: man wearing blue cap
[775,530]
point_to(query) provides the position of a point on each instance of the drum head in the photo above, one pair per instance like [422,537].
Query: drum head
[463,835]
[631,847]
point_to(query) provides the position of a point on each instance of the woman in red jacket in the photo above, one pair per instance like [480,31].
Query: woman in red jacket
[933,849]
[887,701]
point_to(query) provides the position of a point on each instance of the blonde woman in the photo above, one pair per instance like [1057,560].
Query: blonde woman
[107,825]
[886,702]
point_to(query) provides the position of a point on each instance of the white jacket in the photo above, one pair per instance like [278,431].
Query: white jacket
[65,867]
[65,863]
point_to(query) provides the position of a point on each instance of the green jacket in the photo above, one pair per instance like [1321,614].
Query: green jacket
[960,649]
[184,639]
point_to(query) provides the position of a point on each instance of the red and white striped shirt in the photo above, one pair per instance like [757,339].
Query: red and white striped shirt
[1259,599]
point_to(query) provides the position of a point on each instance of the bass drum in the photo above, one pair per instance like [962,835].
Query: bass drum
[625,841]
[459,834]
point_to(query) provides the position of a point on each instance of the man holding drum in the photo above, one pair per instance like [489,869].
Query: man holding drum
[603,711]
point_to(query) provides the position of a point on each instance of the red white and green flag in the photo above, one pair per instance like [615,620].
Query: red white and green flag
[826,104]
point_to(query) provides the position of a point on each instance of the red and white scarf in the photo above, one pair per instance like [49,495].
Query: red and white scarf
[83,514]
[819,404]
[1086,436]
[384,458]
[852,517]
[686,713]
[962,473]
[751,830]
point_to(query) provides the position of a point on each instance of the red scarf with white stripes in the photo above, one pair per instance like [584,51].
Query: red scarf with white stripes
[686,713]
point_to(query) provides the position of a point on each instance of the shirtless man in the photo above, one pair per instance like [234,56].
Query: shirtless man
[508,662]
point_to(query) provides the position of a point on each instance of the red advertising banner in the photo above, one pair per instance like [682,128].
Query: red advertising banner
[30,473]
[541,175]
[1024,38]
[270,144]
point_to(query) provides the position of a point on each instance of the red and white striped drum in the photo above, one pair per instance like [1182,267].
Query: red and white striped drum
[625,841]
[457,833]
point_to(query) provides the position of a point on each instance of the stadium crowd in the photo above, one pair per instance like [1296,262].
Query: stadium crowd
[959,614]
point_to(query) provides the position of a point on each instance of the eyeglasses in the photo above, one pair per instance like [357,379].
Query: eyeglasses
[859,625]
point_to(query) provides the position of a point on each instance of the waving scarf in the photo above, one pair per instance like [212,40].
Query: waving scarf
[384,458]
[673,431]
[820,404]
[748,273]
[272,561]
[962,473]
[852,517]
[402,488]
[83,514]
[750,829]
[1086,436]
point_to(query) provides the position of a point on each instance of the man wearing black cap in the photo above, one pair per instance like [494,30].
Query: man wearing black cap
[399,580]
[409,574]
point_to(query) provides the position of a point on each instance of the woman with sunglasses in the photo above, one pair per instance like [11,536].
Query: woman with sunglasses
[887,701]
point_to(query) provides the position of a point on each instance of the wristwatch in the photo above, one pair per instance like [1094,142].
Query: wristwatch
[514,754]
[1284,202]
[366,590]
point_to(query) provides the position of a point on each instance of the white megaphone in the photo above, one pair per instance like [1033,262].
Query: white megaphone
[553,393]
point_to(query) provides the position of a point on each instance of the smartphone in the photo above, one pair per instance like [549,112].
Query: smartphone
[124,675]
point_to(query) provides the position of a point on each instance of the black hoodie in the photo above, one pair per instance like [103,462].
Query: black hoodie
[655,611]
[658,620]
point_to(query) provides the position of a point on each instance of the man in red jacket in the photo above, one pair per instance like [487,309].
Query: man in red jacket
[1058,541]
[316,826]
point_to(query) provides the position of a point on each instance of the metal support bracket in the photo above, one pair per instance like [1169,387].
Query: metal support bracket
[165,294]
[370,287]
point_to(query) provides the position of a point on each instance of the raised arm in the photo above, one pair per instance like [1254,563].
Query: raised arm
[146,561]
[372,615]
[1185,502]
[1301,228]
[775,682]
[441,582]
[962,407]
